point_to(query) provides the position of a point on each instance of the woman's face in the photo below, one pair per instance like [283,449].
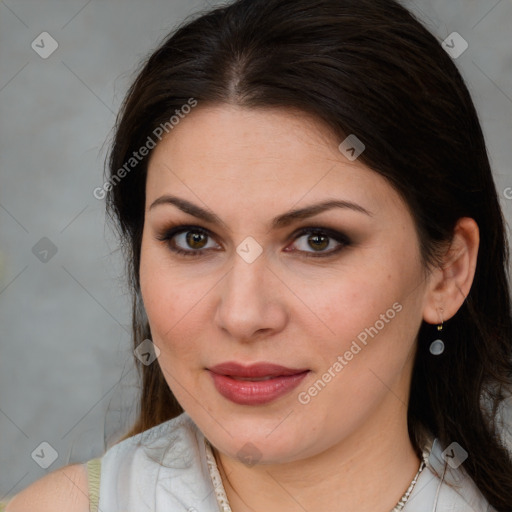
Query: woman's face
[333,294]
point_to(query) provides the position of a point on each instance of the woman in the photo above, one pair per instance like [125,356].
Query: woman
[318,261]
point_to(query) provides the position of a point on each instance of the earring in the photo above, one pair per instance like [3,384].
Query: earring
[437,346]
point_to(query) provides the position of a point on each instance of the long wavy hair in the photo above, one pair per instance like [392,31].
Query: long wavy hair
[370,68]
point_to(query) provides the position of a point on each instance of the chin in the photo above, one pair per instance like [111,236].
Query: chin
[259,440]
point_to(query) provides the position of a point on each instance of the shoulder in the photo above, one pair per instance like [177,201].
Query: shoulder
[172,433]
[445,482]
[63,489]
[161,468]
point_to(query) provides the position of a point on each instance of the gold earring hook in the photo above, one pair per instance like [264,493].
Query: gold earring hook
[440,326]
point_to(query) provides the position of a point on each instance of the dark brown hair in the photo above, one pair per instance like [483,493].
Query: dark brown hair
[364,67]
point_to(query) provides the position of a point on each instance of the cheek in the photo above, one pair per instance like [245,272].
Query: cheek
[347,301]
[172,305]
[370,352]
[370,312]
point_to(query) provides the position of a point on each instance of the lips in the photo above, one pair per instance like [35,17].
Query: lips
[255,384]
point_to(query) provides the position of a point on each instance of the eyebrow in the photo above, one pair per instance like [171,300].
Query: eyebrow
[280,221]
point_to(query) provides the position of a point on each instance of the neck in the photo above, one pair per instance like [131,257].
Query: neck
[368,471]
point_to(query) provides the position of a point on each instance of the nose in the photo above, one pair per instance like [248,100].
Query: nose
[252,301]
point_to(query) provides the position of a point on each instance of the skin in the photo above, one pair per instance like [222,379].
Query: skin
[349,445]
[248,167]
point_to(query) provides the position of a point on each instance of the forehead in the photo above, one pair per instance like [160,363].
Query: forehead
[260,158]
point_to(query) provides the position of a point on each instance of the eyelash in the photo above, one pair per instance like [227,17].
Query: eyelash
[341,238]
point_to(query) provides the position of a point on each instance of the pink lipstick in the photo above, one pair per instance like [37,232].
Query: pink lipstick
[255,384]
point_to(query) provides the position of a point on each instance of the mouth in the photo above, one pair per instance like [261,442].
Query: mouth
[257,384]
[251,379]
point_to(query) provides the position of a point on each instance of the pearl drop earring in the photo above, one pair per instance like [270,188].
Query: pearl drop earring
[437,346]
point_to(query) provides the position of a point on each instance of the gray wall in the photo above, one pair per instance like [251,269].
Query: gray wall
[66,370]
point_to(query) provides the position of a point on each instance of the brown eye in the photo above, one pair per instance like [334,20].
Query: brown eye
[196,240]
[318,242]
[188,240]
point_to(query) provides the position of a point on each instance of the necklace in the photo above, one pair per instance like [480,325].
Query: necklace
[403,500]
[222,499]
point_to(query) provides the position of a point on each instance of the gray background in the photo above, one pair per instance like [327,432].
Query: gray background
[64,333]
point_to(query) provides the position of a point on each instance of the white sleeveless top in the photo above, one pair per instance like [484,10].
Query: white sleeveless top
[171,468]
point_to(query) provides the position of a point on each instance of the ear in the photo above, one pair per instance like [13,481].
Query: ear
[449,283]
